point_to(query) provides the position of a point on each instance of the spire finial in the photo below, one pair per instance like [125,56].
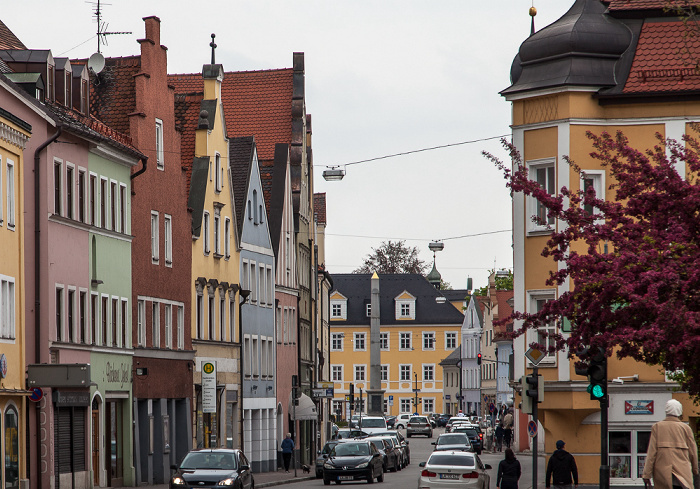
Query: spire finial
[213,47]
[533,12]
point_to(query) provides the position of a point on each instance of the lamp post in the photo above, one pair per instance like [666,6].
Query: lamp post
[416,390]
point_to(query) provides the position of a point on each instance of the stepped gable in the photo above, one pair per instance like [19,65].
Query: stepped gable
[187,106]
[8,40]
[257,103]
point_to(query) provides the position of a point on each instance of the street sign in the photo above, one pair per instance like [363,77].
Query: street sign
[492,408]
[208,387]
[416,390]
[534,355]
[391,400]
[37,394]
[532,429]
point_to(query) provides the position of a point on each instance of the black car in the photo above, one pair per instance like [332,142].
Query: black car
[401,444]
[390,455]
[323,455]
[390,421]
[217,467]
[453,441]
[353,460]
[442,420]
[474,436]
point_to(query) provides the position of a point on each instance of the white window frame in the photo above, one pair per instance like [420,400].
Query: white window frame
[222,314]
[402,336]
[450,340]
[70,191]
[160,149]
[360,369]
[1,190]
[219,173]
[217,232]
[155,238]
[180,327]
[337,372]
[597,178]
[337,340]
[8,315]
[405,404]
[155,324]
[57,187]
[232,317]
[428,405]
[123,212]
[270,286]
[205,233]
[534,296]
[405,368]
[168,238]
[227,238]
[60,315]
[169,326]
[384,373]
[368,310]
[104,190]
[384,337]
[534,208]
[428,367]
[10,195]
[359,337]
[71,321]
[93,199]
[113,205]
[141,322]
[428,336]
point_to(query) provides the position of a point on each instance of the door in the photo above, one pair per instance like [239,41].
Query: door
[95,445]
[113,443]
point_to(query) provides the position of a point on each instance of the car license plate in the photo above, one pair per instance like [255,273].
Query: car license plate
[449,476]
[345,477]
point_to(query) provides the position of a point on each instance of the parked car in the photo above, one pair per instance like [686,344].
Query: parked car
[453,441]
[403,445]
[474,434]
[445,470]
[402,420]
[390,421]
[345,433]
[419,425]
[442,419]
[323,455]
[454,420]
[390,455]
[353,460]
[373,424]
[212,467]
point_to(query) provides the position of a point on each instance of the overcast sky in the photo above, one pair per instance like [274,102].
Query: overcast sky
[382,77]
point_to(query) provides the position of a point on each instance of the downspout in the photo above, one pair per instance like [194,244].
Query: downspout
[144,160]
[37,275]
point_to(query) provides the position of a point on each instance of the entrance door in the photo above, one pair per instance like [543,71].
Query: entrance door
[95,444]
[113,440]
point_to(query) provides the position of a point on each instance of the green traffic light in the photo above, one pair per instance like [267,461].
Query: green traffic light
[597,391]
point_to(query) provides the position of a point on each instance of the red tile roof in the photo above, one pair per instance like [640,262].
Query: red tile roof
[320,207]
[665,59]
[8,40]
[256,103]
[643,4]
[186,119]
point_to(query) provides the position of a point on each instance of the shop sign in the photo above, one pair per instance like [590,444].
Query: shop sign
[637,406]
[208,387]
[118,373]
[65,399]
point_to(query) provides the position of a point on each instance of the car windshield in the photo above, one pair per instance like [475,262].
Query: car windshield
[373,423]
[379,444]
[418,419]
[350,449]
[452,439]
[450,459]
[209,460]
[328,447]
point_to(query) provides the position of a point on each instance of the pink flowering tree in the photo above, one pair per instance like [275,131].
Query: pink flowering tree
[633,261]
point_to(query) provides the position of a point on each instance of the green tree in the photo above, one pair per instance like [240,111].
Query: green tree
[503,282]
[393,257]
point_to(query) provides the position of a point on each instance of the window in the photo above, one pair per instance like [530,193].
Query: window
[262,284]
[337,341]
[246,351]
[103,203]
[405,341]
[211,314]
[227,237]
[160,152]
[155,239]
[253,282]
[217,233]
[7,307]
[385,373]
[94,317]
[12,448]
[270,286]
[337,371]
[113,205]
[405,373]
[359,341]
[180,327]
[205,232]
[628,453]
[141,322]
[104,317]
[199,311]
[428,372]
[71,315]
[93,199]
[255,357]
[405,310]
[82,316]
[168,326]
[450,341]
[428,405]
[168,238]
[255,206]
[544,334]
[369,310]
[405,405]
[593,179]
[59,313]
[335,310]
[232,316]
[57,187]
[155,323]
[219,173]
[428,340]
[543,173]
[115,322]
[82,187]
[222,314]
[384,341]
[122,208]
[1,191]
[10,194]
[123,332]
[359,373]
[51,82]
[70,191]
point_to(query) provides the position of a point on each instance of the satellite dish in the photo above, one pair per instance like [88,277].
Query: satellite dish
[96,63]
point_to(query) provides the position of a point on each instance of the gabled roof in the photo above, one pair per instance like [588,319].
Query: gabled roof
[356,287]
[275,204]
[475,304]
[187,108]
[8,40]
[453,358]
[257,103]
[198,192]
[241,152]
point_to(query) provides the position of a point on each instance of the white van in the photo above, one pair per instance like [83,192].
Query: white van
[373,424]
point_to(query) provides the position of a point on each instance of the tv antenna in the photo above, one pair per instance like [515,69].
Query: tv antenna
[102,27]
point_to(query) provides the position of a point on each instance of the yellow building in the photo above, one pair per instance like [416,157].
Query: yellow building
[596,69]
[419,328]
[215,262]
[14,133]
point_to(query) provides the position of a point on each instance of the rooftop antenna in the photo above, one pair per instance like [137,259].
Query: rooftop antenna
[102,31]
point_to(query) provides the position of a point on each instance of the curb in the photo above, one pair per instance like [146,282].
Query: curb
[284,481]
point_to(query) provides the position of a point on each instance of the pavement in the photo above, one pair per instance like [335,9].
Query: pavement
[266,479]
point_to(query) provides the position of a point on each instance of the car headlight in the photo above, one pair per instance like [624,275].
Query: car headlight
[363,465]
[178,481]
[227,482]
[328,465]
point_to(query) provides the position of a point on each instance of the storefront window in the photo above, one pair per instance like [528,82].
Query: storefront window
[628,453]
[11,448]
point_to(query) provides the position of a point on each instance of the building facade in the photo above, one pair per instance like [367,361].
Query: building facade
[471,333]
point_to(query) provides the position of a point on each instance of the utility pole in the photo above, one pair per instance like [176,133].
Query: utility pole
[416,390]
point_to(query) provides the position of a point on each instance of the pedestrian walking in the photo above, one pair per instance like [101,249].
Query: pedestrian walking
[561,468]
[499,437]
[287,450]
[508,428]
[672,455]
[508,472]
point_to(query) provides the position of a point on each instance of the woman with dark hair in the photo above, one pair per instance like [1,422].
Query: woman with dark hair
[508,472]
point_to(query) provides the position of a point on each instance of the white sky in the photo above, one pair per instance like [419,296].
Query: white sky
[382,77]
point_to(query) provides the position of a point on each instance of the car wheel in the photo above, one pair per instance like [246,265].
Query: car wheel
[326,481]
[319,474]
[370,476]
[399,426]
[337,482]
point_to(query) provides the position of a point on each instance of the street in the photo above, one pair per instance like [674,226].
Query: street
[420,450]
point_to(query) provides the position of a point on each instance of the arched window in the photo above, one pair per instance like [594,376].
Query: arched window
[11,448]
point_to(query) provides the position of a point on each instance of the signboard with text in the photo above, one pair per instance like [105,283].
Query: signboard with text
[639,406]
[208,387]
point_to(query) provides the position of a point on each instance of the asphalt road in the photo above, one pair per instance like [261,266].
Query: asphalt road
[420,450]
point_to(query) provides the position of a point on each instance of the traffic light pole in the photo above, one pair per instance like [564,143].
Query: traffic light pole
[534,438]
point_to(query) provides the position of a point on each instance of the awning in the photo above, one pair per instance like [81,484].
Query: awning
[305,411]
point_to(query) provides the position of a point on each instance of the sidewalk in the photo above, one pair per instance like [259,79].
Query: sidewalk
[266,479]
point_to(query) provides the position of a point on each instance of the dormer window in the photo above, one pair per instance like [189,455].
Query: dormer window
[405,306]
[339,307]
[369,310]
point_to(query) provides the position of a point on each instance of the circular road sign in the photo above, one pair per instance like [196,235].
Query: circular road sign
[492,407]
[532,429]
[37,394]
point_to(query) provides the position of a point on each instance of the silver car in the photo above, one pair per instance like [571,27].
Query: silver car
[419,425]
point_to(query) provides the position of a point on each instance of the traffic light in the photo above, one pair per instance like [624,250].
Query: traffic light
[478,358]
[352,396]
[526,404]
[296,390]
[598,376]
[532,391]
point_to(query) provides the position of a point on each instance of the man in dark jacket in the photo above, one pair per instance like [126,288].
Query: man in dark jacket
[561,468]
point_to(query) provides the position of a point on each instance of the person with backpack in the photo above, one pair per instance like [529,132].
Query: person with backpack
[509,471]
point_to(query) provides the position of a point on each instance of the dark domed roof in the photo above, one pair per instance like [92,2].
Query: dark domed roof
[581,48]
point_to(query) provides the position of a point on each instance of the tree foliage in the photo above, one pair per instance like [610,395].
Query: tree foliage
[634,262]
[393,257]
[502,282]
